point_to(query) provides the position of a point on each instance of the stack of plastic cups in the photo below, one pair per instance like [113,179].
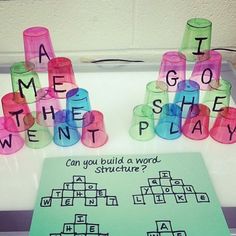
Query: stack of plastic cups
[61,77]
[38,47]
[196,41]
[172,69]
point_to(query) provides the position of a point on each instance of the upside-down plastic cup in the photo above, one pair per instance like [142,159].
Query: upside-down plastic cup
[77,101]
[204,72]
[142,125]
[10,142]
[15,113]
[93,132]
[38,47]
[46,107]
[156,96]
[172,69]
[186,95]
[37,136]
[224,127]
[169,124]
[61,76]
[64,135]
[218,96]
[25,81]
[196,125]
[196,39]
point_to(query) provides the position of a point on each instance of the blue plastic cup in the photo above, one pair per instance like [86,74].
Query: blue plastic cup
[169,124]
[77,102]
[64,134]
[187,94]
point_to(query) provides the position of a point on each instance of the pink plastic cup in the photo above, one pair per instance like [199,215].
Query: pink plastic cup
[9,142]
[46,107]
[204,72]
[172,69]
[196,125]
[224,127]
[38,47]
[93,132]
[17,115]
[61,77]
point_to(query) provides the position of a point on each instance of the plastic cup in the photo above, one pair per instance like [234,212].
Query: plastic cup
[156,96]
[172,69]
[218,96]
[224,127]
[64,135]
[15,113]
[25,81]
[93,132]
[46,107]
[169,124]
[196,39]
[10,142]
[196,125]
[77,102]
[38,47]
[37,136]
[186,95]
[61,76]
[142,125]
[204,72]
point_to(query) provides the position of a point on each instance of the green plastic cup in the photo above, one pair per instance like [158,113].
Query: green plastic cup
[218,96]
[196,41]
[37,136]
[142,126]
[156,96]
[25,81]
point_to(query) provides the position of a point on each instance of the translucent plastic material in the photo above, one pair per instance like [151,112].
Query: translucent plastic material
[38,47]
[64,135]
[186,95]
[25,81]
[172,69]
[46,107]
[196,125]
[93,132]
[224,128]
[204,72]
[37,136]
[218,96]
[10,142]
[142,126]
[61,76]
[169,124]
[16,113]
[197,39]
[77,101]
[156,96]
